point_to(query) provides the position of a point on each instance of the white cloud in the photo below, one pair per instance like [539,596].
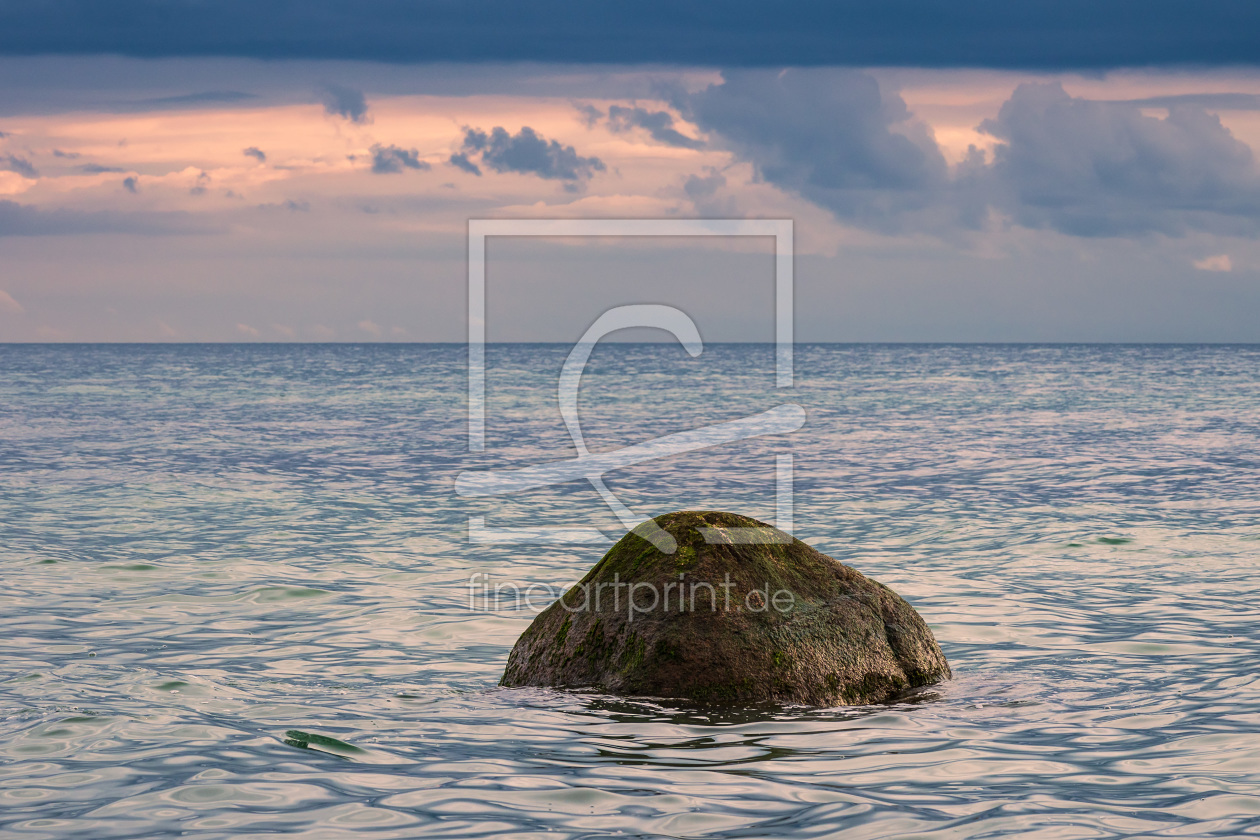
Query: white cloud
[247,330]
[1220,262]
[370,328]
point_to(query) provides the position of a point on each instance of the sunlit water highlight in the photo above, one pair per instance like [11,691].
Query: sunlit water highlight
[206,548]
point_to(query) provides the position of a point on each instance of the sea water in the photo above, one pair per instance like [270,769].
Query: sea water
[235,597]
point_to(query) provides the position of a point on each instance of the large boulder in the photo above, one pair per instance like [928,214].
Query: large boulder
[738,612]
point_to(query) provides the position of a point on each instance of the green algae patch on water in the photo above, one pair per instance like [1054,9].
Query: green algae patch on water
[738,612]
[280,594]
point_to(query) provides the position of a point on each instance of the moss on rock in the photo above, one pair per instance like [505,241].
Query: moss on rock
[728,622]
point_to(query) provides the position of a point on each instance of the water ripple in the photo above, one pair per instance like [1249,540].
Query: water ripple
[209,549]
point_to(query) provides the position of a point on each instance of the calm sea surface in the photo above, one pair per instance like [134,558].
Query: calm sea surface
[205,547]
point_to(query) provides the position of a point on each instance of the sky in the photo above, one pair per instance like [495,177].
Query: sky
[183,171]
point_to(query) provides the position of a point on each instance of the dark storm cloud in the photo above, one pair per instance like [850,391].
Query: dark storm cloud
[390,159]
[658,124]
[1104,168]
[21,166]
[528,153]
[26,220]
[130,185]
[256,153]
[344,102]
[97,169]
[993,33]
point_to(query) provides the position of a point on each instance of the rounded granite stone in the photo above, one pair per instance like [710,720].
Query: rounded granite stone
[738,612]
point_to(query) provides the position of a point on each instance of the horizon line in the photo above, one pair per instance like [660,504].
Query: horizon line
[915,342]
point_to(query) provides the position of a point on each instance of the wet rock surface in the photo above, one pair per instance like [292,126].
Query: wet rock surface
[738,612]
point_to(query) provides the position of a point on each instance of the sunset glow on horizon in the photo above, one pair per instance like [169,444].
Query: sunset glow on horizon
[225,196]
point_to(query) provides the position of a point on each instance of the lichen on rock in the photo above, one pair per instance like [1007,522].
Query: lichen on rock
[739,612]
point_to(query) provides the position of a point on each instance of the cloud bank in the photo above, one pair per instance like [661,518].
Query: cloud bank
[1073,165]
[1099,210]
[1104,168]
[830,136]
[987,33]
